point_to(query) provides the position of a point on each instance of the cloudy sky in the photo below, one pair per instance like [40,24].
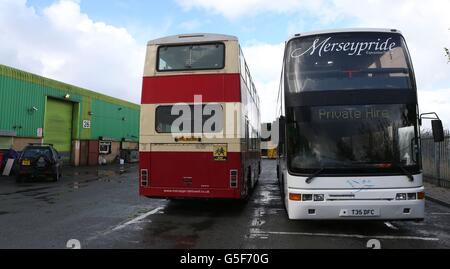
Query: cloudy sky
[100,44]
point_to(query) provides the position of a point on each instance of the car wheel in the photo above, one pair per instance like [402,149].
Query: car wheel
[56,176]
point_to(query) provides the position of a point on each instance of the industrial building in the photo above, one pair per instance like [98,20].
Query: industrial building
[87,128]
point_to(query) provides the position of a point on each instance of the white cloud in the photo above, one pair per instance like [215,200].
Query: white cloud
[425,25]
[64,44]
[436,101]
[233,9]
[265,61]
[236,9]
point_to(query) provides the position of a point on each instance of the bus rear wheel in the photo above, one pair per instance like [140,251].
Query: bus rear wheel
[278,172]
[248,186]
[283,193]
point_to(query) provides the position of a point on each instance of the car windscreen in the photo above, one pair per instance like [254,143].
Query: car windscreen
[352,137]
[347,61]
[191,57]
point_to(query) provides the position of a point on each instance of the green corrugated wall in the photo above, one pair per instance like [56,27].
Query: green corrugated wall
[21,91]
[114,119]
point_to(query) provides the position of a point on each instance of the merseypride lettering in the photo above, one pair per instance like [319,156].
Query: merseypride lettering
[353,48]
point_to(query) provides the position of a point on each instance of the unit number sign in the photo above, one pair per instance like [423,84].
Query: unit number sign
[86,124]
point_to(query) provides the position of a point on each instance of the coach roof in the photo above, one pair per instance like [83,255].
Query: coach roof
[192,38]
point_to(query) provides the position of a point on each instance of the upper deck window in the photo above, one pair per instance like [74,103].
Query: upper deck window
[191,57]
[348,61]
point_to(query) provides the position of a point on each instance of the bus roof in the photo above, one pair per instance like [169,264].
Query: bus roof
[191,38]
[348,30]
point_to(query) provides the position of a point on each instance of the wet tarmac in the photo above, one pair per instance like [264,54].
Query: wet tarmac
[101,208]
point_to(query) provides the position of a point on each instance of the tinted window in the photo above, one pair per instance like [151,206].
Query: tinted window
[352,137]
[191,57]
[347,61]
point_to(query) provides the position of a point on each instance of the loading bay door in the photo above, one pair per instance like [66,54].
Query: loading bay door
[58,126]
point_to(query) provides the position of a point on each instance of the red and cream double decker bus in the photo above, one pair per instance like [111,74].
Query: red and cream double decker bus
[200,119]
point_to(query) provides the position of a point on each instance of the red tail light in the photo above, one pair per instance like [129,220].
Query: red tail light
[144,178]
[233,179]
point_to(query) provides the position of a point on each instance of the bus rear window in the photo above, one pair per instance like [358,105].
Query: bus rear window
[191,57]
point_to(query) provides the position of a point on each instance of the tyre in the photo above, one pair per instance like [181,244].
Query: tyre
[282,193]
[56,176]
[248,187]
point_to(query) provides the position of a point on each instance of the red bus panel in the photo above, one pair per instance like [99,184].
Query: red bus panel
[189,174]
[182,89]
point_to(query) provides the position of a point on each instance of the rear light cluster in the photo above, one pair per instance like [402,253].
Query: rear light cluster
[307,197]
[410,196]
[144,178]
[233,179]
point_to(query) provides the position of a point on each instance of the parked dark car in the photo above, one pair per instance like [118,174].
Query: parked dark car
[39,161]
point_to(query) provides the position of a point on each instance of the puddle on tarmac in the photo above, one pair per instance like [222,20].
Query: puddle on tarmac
[97,176]
[49,198]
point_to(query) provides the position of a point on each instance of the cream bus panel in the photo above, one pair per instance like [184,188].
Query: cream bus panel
[231,62]
[233,146]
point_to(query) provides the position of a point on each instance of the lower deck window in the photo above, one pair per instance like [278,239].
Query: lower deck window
[181,119]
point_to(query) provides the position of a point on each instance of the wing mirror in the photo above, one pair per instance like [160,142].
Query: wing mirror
[438,131]
[436,123]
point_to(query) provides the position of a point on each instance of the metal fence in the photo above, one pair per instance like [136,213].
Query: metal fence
[436,161]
